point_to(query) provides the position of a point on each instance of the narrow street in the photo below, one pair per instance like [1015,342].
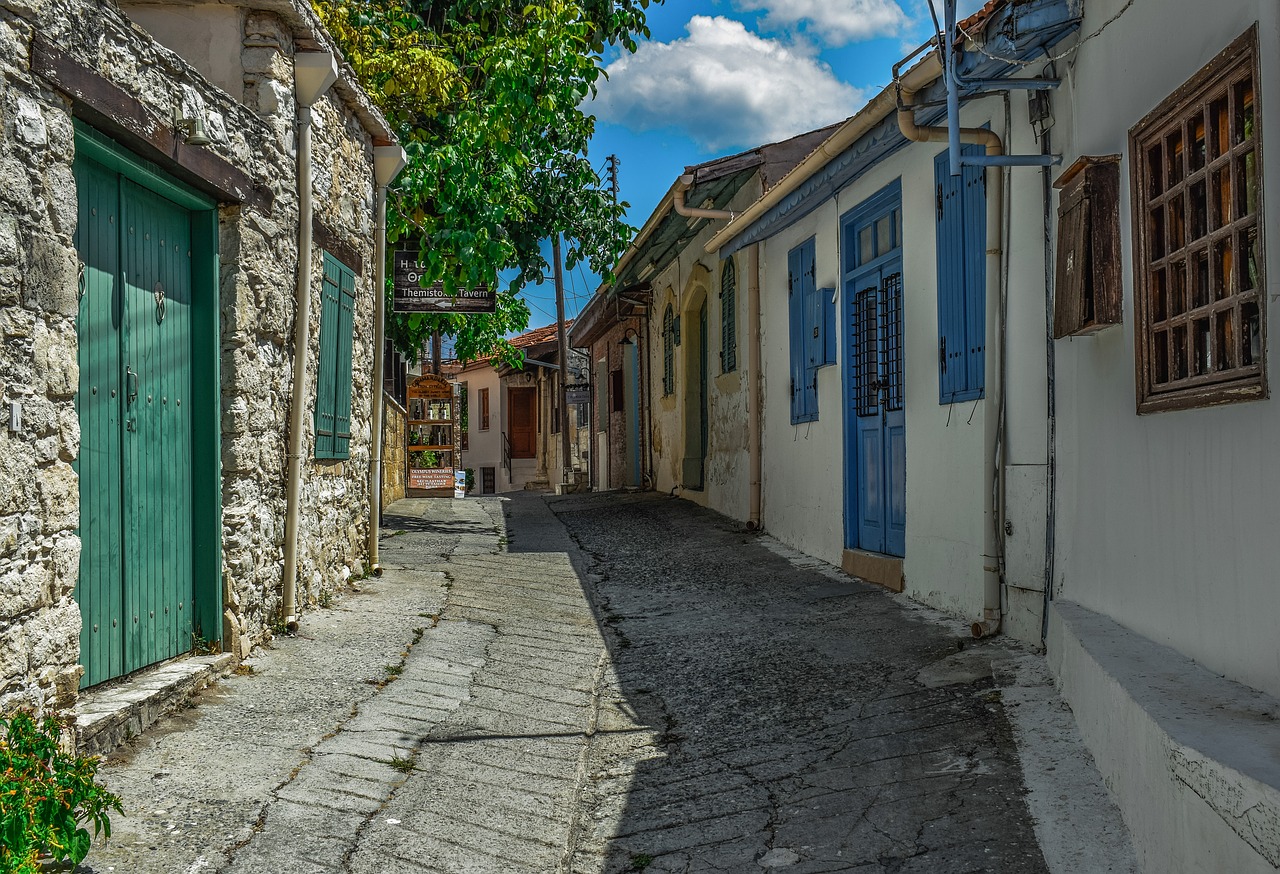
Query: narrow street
[599,683]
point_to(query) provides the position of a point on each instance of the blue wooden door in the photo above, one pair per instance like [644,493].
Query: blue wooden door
[875,421]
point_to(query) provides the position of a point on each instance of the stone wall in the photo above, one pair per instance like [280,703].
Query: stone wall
[254,132]
[395,451]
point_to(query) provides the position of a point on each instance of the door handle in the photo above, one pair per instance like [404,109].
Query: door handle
[131,385]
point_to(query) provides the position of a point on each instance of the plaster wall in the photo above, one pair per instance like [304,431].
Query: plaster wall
[950,448]
[484,447]
[692,278]
[208,36]
[1166,520]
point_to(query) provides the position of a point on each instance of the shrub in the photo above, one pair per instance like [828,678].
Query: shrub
[46,796]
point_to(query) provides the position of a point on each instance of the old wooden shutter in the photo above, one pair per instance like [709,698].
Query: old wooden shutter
[962,242]
[342,365]
[326,390]
[807,344]
[728,318]
[1087,295]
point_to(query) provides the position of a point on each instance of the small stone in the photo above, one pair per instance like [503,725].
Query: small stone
[28,124]
[778,858]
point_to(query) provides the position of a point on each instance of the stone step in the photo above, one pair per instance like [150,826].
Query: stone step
[112,713]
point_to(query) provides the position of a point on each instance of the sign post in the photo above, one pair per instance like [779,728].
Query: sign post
[410,296]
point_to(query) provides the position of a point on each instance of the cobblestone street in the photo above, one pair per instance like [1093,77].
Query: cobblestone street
[602,683]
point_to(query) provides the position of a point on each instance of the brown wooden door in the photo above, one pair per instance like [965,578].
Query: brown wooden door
[523,403]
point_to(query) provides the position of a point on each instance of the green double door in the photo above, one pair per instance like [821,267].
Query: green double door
[135,403]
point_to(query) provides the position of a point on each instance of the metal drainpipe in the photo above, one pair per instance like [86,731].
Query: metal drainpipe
[1051,472]
[314,73]
[753,386]
[388,161]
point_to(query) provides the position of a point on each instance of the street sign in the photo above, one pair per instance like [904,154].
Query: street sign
[410,297]
[577,394]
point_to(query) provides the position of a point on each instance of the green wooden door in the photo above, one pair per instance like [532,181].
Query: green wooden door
[135,403]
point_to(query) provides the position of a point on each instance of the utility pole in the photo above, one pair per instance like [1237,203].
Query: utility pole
[614,163]
[564,361]
[435,352]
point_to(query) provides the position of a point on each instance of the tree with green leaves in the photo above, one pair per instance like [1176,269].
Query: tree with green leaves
[486,97]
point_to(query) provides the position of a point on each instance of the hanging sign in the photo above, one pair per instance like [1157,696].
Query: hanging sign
[410,297]
[577,393]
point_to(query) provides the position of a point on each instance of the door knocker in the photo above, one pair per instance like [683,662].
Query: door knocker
[158,291]
[81,283]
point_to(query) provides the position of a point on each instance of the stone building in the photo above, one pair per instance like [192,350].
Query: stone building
[152,211]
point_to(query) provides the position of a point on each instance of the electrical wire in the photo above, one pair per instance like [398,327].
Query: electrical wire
[1050,58]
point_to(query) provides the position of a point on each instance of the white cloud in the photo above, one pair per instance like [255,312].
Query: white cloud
[836,22]
[725,87]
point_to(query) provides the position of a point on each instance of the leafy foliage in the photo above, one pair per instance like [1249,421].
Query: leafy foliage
[46,796]
[486,97]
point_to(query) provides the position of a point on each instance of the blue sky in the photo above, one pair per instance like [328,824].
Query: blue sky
[718,77]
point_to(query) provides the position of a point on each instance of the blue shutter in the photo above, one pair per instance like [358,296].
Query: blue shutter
[795,309]
[962,239]
[975,248]
[829,330]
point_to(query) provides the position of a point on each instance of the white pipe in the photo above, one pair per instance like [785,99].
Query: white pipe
[678,204]
[314,73]
[753,384]
[388,161]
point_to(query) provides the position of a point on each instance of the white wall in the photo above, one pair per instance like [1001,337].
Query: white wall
[1166,521]
[484,447]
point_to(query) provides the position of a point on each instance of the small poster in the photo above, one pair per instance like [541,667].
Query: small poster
[459,483]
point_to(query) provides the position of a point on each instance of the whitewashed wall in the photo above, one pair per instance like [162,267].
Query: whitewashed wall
[1166,521]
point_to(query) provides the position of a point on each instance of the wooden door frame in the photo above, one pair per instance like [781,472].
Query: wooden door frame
[206,433]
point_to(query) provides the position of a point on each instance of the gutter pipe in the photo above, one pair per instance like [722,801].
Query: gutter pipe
[313,74]
[677,202]
[388,161]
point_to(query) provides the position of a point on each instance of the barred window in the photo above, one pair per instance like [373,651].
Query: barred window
[1197,165]
[728,318]
[668,352]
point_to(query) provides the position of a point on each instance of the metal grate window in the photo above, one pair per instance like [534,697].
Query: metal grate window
[891,319]
[1197,208]
[866,362]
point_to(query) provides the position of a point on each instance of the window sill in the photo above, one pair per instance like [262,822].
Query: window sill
[1203,396]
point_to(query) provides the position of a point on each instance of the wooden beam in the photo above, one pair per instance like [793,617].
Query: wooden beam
[112,110]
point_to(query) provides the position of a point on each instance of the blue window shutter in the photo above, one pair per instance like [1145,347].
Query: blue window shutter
[829,329]
[962,241]
[812,331]
[975,229]
[795,311]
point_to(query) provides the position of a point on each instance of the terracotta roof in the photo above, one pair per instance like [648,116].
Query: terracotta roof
[978,20]
[538,336]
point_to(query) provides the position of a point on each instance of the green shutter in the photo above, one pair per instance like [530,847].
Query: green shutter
[342,366]
[326,390]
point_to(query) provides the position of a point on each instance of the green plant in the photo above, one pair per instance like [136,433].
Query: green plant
[471,479]
[47,796]
[640,861]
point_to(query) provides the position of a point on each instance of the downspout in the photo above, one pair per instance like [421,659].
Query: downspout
[677,202]
[388,161]
[753,385]
[991,613]
[313,74]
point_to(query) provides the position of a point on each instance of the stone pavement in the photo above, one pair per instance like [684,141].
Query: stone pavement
[614,683]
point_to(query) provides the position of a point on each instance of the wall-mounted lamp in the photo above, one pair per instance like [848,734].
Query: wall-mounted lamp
[192,129]
[626,337]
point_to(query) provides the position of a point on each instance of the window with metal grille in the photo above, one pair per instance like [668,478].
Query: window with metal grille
[668,352]
[866,362]
[891,336]
[728,318]
[1196,163]
[333,382]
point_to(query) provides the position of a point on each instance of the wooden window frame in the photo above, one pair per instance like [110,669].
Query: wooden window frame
[1229,379]
[1088,294]
[484,408]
